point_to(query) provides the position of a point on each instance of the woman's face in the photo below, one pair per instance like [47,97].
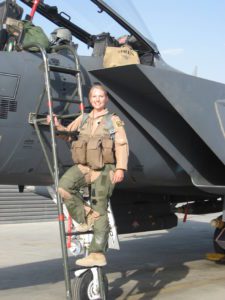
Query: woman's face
[98,99]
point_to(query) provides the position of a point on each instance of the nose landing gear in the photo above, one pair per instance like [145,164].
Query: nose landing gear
[218,241]
[90,284]
[219,235]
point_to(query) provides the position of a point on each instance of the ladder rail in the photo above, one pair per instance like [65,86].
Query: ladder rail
[56,171]
[56,178]
[37,120]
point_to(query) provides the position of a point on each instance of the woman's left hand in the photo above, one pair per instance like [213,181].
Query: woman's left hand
[118,176]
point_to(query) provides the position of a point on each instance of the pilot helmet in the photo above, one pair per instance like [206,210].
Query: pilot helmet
[61,35]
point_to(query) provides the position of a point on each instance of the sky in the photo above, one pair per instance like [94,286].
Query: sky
[190,34]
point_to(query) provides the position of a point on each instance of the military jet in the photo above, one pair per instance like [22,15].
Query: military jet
[175,122]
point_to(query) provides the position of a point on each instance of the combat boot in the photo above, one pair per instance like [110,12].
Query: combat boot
[82,227]
[93,259]
[86,226]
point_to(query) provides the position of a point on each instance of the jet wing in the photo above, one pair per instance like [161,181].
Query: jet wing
[181,112]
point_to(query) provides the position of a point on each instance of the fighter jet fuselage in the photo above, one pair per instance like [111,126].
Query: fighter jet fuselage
[174,121]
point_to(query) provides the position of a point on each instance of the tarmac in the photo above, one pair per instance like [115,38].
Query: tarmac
[163,265]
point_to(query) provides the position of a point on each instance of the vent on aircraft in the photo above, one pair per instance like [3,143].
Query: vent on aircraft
[4,108]
[12,105]
[9,84]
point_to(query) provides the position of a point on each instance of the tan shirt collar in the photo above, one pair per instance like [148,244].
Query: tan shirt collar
[95,115]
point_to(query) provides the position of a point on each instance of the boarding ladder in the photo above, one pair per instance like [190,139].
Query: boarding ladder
[38,120]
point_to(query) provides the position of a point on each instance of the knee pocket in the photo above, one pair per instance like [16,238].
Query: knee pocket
[102,224]
[100,206]
[64,194]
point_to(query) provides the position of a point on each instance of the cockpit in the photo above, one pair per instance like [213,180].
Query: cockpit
[8,9]
[94,24]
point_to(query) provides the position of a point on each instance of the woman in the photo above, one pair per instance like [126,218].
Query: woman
[101,156]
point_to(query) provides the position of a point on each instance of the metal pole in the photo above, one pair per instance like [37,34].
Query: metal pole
[102,289]
[223,218]
[56,180]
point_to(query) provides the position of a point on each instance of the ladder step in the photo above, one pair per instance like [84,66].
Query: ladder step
[78,233]
[41,118]
[66,100]
[73,269]
[63,70]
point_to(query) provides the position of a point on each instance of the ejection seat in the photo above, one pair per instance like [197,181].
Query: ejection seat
[8,9]
[101,41]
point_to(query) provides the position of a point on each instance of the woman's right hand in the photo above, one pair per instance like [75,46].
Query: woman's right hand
[55,119]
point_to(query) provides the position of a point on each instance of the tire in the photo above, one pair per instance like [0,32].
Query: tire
[82,287]
[217,248]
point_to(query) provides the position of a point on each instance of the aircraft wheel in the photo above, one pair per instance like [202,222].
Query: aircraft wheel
[83,287]
[217,248]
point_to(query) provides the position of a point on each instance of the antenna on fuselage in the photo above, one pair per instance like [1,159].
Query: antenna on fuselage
[195,71]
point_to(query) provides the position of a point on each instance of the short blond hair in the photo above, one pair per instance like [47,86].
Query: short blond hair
[99,87]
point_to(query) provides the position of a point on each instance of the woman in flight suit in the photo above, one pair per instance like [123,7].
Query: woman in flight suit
[101,156]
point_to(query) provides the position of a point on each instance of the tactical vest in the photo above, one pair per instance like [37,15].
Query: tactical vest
[97,149]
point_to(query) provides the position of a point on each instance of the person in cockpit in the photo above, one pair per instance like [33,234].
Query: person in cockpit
[61,36]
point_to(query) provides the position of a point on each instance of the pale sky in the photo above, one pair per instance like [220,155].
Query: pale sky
[190,34]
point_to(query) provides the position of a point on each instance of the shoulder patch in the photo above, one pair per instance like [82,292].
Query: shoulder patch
[119,123]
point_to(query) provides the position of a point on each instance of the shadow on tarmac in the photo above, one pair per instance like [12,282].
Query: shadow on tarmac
[51,271]
[149,261]
[156,260]
[31,274]
[154,281]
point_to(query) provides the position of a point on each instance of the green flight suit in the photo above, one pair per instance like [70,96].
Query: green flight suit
[101,190]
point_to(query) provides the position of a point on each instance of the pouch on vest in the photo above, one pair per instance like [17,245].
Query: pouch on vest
[94,153]
[78,150]
[107,151]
